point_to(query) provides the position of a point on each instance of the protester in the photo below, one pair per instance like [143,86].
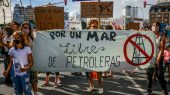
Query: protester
[26,29]
[21,58]
[110,73]
[158,69]
[93,25]
[15,26]
[7,39]
[167,60]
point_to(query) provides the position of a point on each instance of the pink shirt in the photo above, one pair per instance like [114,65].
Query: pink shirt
[166,56]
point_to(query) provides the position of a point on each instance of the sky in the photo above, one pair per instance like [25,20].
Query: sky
[74,7]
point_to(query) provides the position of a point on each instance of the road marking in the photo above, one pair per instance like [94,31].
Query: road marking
[138,87]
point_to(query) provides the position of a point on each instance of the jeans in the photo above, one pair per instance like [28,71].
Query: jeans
[22,85]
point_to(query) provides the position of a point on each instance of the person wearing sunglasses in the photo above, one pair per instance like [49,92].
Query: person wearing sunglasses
[21,59]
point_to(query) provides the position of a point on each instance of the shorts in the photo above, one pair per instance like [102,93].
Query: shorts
[33,77]
[89,73]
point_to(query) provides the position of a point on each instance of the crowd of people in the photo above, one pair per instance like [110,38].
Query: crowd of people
[17,42]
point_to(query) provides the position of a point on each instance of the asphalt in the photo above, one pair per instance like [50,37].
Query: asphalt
[120,84]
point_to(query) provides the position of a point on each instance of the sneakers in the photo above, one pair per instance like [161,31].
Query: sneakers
[56,84]
[155,80]
[148,93]
[90,89]
[59,83]
[165,92]
[100,90]
[45,84]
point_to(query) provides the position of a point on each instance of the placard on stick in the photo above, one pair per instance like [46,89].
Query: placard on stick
[96,9]
[50,17]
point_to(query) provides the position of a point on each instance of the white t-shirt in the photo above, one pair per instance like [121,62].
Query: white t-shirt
[20,58]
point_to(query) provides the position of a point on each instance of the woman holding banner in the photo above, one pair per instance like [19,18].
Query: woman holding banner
[93,25]
[26,29]
[157,70]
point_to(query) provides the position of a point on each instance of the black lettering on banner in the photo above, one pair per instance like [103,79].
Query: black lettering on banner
[68,60]
[80,57]
[91,62]
[115,61]
[107,60]
[52,35]
[95,64]
[52,61]
[63,34]
[101,61]
[74,57]
[85,61]
[112,36]
[74,49]
[76,35]
[57,34]
[104,36]
[92,35]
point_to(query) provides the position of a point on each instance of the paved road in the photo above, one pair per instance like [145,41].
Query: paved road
[120,84]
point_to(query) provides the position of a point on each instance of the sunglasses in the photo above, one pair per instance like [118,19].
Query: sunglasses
[94,26]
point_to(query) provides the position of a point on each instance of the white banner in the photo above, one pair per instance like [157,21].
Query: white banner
[5,11]
[69,51]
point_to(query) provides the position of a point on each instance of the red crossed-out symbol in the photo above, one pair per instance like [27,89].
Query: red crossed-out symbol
[148,56]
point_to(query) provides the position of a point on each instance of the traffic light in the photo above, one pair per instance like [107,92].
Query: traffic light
[145,4]
[65,1]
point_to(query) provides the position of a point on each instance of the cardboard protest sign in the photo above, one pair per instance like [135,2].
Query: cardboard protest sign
[69,51]
[50,17]
[96,9]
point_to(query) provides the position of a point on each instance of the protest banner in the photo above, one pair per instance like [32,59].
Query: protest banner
[5,11]
[96,9]
[50,17]
[85,50]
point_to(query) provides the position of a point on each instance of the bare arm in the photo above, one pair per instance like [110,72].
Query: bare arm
[162,46]
[9,66]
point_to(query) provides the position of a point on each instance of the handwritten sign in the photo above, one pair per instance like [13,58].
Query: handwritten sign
[67,51]
[50,17]
[96,9]
[5,12]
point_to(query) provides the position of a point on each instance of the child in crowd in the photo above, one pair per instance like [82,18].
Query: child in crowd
[21,59]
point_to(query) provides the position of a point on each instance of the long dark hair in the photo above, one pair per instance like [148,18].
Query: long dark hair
[30,33]
[158,25]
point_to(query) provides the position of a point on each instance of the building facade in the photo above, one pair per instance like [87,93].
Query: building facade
[161,1]
[160,12]
[22,13]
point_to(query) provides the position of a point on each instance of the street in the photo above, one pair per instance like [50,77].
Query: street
[120,84]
